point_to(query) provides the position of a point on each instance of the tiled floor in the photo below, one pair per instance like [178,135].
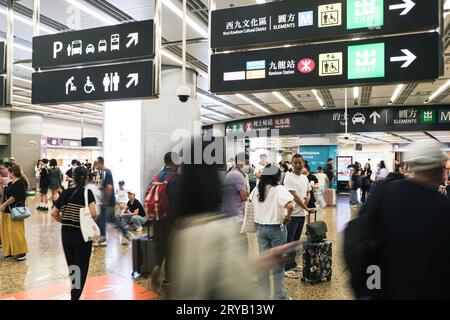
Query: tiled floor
[46,266]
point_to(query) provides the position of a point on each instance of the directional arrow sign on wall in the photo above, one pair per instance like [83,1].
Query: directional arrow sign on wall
[105,83]
[407,5]
[92,46]
[415,57]
[408,58]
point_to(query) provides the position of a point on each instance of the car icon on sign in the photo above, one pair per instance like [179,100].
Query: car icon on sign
[359,118]
[90,49]
[102,46]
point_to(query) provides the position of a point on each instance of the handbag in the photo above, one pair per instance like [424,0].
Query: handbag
[249,224]
[316,231]
[89,228]
[20,213]
[318,194]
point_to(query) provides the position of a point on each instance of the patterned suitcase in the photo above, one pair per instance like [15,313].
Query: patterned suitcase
[317,262]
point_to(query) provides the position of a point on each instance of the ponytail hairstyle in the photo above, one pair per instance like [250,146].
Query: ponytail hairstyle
[80,176]
[270,177]
[17,172]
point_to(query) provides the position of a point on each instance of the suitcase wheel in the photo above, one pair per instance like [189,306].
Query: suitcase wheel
[303,280]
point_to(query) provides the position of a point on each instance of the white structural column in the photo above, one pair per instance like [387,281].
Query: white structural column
[26,136]
[138,134]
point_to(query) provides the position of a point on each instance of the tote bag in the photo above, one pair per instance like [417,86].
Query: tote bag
[89,228]
[249,225]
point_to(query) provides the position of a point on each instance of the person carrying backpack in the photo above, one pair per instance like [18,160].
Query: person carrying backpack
[159,204]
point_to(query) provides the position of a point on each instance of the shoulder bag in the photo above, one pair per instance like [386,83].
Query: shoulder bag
[89,228]
[249,224]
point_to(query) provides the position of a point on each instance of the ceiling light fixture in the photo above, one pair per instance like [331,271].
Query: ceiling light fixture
[28,22]
[319,99]
[396,93]
[283,99]
[220,102]
[25,67]
[253,103]
[170,5]
[214,112]
[22,79]
[438,91]
[171,56]
[355,93]
[91,12]
[208,119]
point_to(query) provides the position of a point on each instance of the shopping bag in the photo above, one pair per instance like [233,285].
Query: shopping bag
[249,225]
[318,194]
[89,228]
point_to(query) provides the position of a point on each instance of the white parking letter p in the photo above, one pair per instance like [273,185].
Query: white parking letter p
[57,47]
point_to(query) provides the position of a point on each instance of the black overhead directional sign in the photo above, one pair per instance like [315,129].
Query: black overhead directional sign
[128,41]
[401,118]
[292,21]
[2,57]
[111,82]
[386,60]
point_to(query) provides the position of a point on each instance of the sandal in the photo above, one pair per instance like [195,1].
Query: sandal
[291,274]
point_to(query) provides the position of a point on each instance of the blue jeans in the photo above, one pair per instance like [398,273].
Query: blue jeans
[137,221]
[294,232]
[107,215]
[271,236]
[354,197]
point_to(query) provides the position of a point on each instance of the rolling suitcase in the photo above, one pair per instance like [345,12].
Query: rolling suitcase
[144,255]
[330,197]
[317,262]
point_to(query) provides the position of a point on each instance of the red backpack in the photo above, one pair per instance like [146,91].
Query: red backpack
[156,201]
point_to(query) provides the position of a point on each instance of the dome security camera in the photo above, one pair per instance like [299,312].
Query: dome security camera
[183,94]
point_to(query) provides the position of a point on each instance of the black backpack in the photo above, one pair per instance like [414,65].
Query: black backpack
[316,231]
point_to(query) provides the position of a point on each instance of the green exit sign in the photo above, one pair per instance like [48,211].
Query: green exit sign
[427,116]
[366,61]
[365,14]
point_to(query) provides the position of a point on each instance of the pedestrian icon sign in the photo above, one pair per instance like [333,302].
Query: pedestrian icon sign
[366,61]
[330,15]
[365,14]
[330,64]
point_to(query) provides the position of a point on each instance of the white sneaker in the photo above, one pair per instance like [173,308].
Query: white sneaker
[139,230]
[125,241]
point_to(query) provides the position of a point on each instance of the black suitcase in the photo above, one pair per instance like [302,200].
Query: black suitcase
[144,255]
[317,262]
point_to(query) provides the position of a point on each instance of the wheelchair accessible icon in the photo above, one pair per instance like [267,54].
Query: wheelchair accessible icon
[89,86]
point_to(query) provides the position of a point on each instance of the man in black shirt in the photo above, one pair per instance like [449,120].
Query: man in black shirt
[329,171]
[108,205]
[69,173]
[135,212]
[412,222]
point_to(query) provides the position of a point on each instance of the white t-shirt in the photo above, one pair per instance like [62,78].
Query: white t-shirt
[322,177]
[299,183]
[271,211]
[121,196]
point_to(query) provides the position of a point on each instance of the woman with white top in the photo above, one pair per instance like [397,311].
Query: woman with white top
[270,202]
[382,172]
